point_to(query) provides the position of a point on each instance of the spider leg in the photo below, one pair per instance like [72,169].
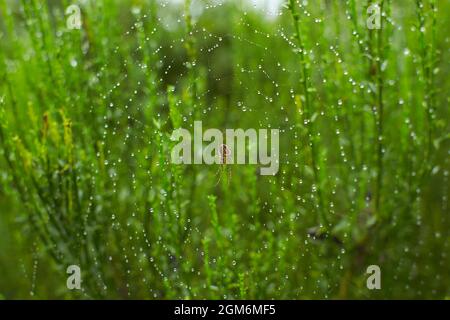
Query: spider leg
[219,169]
[219,172]
[218,180]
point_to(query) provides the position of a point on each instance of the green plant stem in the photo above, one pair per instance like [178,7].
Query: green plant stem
[310,126]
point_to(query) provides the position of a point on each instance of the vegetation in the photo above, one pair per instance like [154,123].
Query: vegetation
[86,179]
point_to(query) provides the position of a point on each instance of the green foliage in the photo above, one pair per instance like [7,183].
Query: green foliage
[85,174]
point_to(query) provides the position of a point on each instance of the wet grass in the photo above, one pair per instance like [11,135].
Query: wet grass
[85,123]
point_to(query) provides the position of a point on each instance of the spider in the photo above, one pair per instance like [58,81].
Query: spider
[225,156]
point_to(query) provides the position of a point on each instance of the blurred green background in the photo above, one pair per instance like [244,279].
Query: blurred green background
[86,116]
